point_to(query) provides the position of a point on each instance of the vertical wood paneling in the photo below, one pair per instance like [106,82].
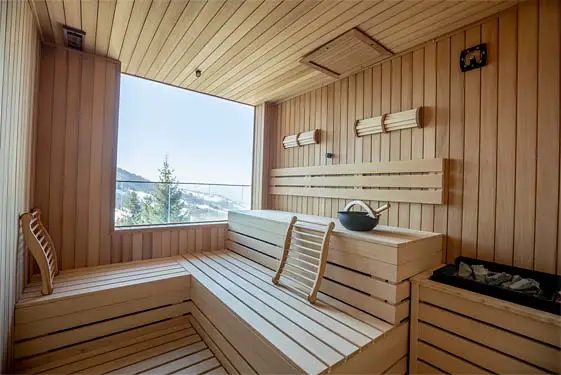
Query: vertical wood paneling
[19,64]
[547,183]
[471,151]
[498,127]
[80,134]
[456,157]
[506,142]
[76,162]
[526,132]
[488,146]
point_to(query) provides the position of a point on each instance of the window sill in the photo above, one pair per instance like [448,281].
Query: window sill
[169,227]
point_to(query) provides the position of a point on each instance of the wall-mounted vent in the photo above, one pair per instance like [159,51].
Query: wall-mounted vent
[346,54]
[73,38]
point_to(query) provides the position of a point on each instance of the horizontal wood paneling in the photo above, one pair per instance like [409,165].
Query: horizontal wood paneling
[247,50]
[19,53]
[75,168]
[498,127]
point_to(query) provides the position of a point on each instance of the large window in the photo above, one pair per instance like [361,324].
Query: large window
[182,157]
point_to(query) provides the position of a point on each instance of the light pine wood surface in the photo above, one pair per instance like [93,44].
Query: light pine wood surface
[19,76]
[498,126]
[249,51]
[458,331]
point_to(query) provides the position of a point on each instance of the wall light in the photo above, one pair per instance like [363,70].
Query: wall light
[301,139]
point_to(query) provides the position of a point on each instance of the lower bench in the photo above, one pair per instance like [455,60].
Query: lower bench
[202,312]
[264,328]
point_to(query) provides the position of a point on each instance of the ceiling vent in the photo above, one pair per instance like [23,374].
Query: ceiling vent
[73,38]
[348,53]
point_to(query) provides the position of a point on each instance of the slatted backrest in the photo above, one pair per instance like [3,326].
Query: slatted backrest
[304,257]
[414,181]
[41,247]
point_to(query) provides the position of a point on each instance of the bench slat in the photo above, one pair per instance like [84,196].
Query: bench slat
[291,350]
[337,342]
[326,316]
[304,341]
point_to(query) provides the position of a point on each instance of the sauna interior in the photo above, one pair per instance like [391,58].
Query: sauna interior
[447,110]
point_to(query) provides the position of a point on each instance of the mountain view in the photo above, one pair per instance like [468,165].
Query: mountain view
[143,202]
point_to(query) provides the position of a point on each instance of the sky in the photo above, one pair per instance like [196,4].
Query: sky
[206,139]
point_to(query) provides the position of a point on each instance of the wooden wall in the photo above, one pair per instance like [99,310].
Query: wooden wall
[76,135]
[156,242]
[264,121]
[76,162]
[499,127]
[19,52]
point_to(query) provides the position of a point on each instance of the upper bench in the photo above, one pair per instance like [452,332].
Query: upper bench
[367,270]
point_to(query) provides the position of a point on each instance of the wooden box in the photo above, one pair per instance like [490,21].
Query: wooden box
[457,331]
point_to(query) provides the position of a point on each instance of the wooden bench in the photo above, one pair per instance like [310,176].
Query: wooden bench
[179,311]
[266,328]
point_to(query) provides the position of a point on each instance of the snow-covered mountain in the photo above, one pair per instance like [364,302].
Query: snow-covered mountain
[202,202]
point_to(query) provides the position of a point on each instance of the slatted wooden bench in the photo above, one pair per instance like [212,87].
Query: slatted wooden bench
[90,303]
[220,312]
[264,328]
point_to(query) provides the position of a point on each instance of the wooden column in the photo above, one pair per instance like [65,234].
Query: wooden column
[264,125]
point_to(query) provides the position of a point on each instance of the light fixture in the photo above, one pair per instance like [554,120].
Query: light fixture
[389,122]
[301,139]
[198,73]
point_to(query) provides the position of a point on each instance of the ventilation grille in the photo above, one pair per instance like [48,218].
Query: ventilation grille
[346,54]
[73,38]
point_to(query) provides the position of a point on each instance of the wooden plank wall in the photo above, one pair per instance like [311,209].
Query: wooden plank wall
[498,125]
[264,121]
[156,242]
[19,53]
[75,168]
[76,134]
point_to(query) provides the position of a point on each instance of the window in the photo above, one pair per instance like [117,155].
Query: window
[182,157]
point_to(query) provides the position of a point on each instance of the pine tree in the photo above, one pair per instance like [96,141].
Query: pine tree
[169,206]
[134,210]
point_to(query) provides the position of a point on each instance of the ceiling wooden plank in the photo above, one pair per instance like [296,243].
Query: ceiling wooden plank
[249,24]
[249,50]
[121,19]
[169,33]
[324,13]
[73,13]
[56,15]
[152,23]
[308,40]
[106,13]
[89,23]
[452,23]
[136,23]
[186,37]
[220,45]
[407,28]
[215,34]
[41,12]
[389,24]
[284,15]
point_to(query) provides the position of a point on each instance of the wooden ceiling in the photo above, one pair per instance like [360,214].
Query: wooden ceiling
[248,51]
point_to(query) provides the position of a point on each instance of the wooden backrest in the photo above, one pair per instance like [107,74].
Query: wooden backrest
[304,257]
[413,181]
[41,247]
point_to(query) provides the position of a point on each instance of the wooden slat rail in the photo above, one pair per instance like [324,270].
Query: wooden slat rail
[458,331]
[415,181]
